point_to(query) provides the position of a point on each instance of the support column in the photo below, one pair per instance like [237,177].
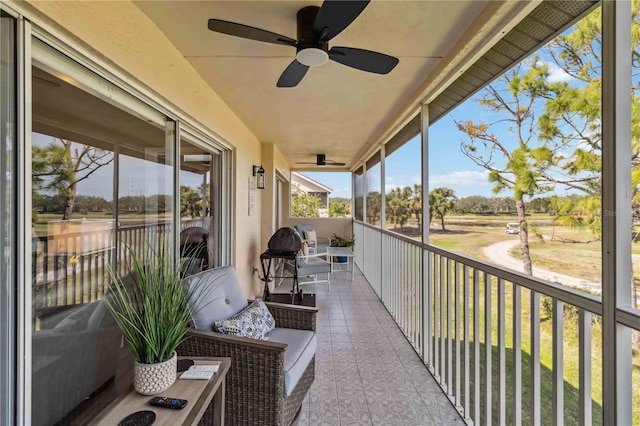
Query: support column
[426,285]
[616,209]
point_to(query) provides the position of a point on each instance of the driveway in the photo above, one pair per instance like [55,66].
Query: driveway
[499,254]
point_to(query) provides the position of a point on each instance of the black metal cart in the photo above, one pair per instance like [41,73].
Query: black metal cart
[266,260]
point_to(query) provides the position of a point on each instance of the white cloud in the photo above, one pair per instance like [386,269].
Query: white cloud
[344,192]
[459,179]
[391,186]
[556,74]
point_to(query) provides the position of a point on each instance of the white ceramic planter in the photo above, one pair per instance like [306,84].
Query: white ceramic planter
[152,379]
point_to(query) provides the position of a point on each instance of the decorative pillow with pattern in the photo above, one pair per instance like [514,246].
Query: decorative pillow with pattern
[255,321]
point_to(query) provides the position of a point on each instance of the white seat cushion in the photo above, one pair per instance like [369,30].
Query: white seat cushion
[300,351]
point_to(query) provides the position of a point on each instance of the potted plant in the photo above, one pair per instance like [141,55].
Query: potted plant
[340,241]
[153,309]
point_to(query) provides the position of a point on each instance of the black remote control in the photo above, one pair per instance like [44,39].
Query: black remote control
[166,402]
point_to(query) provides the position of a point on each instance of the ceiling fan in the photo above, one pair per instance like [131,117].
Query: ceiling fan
[321,160]
[316,27]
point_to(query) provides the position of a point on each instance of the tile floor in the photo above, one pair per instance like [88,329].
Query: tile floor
[366,371]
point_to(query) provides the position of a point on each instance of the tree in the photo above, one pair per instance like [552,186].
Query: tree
[374,206]
[190,201]
[520,162]
[416,204]
[131,204]
[398,206]
[305,205]
[339,207]
[441,202]
[61,165]
[540,204]
[577,114]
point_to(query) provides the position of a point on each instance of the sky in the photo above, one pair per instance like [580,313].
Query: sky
[448,165]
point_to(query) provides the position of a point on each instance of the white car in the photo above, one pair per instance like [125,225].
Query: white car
[512,228]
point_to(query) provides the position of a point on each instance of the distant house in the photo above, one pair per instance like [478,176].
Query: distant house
[301,184]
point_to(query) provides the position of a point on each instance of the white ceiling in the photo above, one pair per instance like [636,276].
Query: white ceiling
[335,110]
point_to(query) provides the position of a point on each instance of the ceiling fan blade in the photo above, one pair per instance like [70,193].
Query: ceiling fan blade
[306,162]
[334,163]
[252,33]
[336,15]
[293,74]
[364,60]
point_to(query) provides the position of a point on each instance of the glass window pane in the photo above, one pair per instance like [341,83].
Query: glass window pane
[358,185]
[515,169]
[79,363]
[320,194]
[374,195]
[197,230]
[403,190]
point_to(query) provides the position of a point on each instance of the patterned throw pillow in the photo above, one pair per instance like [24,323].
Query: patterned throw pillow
[254,321]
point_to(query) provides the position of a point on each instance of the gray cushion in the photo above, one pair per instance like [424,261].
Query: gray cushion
[314,266]
[100,316]
[321,248]
[222,296]
[301,227]
[78,319]
[300,351]
[255,321]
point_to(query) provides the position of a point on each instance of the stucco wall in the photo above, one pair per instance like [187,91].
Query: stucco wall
[325,227]
[273,161]
[119,35]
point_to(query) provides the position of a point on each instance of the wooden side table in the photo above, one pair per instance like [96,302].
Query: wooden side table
[198,393]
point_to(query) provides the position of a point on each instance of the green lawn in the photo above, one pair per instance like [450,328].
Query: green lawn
[565,250]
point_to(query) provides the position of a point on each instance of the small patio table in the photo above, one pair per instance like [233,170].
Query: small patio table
[341,252]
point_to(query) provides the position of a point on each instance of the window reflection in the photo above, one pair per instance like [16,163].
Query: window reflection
[81,226]
[197,197]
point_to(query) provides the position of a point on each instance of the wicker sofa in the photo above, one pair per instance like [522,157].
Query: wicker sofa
[268,379]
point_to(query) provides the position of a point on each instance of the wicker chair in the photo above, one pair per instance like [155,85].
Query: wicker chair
[256,389]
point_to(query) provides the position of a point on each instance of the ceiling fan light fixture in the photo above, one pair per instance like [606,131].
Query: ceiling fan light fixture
[312,56]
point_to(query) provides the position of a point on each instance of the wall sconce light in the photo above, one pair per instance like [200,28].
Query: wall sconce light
[258,172]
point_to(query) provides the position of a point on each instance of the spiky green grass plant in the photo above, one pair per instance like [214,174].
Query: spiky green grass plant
[151,305]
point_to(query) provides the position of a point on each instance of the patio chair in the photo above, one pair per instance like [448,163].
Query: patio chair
[316,243]
[193,244]
[268,379]
[309,266]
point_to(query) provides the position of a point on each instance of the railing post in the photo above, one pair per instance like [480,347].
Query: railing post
[467,354]
[487,348]
[517,355]
[584,383]
[502,365]
[534,322]
[476,346]
[558,363]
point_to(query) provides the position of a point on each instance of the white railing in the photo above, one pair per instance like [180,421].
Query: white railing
[487,334]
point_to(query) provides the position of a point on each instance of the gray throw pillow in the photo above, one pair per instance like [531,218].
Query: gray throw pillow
[255,321]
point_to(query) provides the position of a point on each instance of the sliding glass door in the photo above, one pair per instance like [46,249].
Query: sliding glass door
[102,179]
[8,204]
